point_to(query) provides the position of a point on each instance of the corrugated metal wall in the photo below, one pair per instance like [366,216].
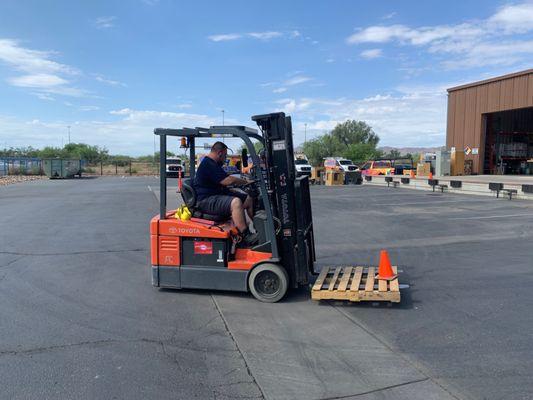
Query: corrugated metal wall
[468,103]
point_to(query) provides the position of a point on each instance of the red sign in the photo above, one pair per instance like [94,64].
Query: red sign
[203,248]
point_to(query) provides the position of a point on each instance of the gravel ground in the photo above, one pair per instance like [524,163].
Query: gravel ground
[9,180]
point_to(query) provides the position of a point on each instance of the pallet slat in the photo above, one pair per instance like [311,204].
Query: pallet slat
[347,273]
[394,284]
[320,280]
[361,287]
[369,286]
[354,287]
[334,279]
[382,285]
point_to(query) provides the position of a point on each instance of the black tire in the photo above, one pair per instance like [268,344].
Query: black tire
[268,282]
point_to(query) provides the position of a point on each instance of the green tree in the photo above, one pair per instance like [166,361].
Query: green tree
[354,140]
[351,131]
[359,153]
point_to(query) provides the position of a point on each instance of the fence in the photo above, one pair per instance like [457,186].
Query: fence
[122,168]
[21,166]
[35,166]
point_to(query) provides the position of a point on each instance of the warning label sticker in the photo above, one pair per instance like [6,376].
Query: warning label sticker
[278,145]
[203,248]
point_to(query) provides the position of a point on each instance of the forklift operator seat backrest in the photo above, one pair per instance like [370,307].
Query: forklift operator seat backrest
[188,193]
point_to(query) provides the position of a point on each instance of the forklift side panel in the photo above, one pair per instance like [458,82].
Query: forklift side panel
[166,277]
[169,251]
[204,252]
[215,278]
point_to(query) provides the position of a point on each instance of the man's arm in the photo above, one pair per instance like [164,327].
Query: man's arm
[233,180]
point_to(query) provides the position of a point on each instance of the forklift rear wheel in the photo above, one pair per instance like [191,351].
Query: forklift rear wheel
[268,282]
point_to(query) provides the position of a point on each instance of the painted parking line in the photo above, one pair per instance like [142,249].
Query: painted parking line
[496,216]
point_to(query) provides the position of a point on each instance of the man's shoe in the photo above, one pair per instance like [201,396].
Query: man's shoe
[249,239]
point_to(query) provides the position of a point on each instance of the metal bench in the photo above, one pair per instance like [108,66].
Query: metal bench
[510,192]
[389,180]
[433,183]
[456,184]
[498,187]
[441,187]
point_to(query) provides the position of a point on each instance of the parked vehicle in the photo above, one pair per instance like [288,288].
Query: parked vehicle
[377,167]
[302,166]
[174,165]
[340,164]
[402,166]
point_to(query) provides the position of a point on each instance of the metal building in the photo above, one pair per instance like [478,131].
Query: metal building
[492,122]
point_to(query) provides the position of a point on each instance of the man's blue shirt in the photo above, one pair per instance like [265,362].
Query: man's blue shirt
[207,179]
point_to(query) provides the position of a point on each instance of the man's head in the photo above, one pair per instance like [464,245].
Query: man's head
[219,151]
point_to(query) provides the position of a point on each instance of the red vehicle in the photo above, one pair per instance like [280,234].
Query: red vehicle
[378,167]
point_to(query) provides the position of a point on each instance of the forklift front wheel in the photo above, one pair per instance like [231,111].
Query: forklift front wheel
[268,282]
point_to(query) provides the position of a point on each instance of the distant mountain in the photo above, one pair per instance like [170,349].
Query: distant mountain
[412,150]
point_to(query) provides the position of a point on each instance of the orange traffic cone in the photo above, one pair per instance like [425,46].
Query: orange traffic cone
[385,270]
[430,175]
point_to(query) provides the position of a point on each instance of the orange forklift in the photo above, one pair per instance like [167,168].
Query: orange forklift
[204,252]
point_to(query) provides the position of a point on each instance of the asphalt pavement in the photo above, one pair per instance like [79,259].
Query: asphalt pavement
[80,319]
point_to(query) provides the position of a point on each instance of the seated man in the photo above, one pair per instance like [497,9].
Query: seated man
[213,196]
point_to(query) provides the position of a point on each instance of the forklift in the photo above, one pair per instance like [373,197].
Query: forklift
[203,252]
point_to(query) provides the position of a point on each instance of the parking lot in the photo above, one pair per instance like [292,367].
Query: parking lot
[80,319]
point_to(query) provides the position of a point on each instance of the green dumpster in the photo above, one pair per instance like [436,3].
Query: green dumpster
[61,168]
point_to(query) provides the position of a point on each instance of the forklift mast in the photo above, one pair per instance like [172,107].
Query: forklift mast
[291,202]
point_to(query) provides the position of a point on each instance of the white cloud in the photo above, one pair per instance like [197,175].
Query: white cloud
[104,22]
[224,37]
[371,53]
[389,15]
[279,90]
[407,116]
[39,71]
[88,108]
[514,18]
[37,81]
[296,80]
[474,43]
[31,61]
[150,2]
[265,35]
[330,60]
[111,82]
[44,96]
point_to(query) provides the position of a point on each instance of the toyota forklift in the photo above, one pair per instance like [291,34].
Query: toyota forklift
[203,252]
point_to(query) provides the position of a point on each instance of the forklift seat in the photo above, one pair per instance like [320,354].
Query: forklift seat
[188,194]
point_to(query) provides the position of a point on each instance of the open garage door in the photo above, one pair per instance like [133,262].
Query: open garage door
[509,142]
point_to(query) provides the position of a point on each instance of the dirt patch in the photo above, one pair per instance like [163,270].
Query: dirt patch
[11,179]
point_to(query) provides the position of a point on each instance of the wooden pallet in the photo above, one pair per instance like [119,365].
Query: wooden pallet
[354,284]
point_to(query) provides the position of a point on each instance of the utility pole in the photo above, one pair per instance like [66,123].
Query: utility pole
[223,140]
[68,134]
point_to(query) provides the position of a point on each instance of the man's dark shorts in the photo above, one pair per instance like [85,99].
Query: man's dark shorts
[219,204]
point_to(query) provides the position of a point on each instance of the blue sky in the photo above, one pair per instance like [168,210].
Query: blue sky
[114,70]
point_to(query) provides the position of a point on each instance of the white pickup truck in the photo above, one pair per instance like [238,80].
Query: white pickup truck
[174,165]
[301,163]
